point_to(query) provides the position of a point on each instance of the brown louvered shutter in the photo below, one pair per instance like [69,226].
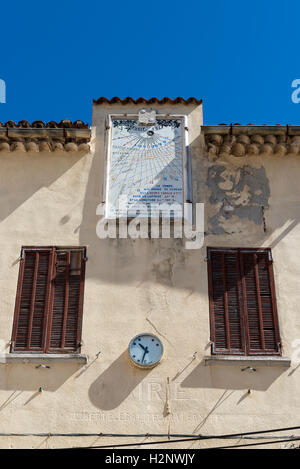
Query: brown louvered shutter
[225,304]
[262,331]
[49,302]
[67,300]
[243,312]
[32,300]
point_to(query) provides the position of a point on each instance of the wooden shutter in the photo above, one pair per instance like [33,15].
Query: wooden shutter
[225,303]
[262,331]
[66,314]
[243,312]
[32,299]
[49,302]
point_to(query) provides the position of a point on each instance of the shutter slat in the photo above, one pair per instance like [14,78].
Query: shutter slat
[225,294]
[259,302]
[67,303]
[59,288]
[32,303]
[251,302]
[66,300]
[40,304]
[234,305]
[225,302]
[261,314]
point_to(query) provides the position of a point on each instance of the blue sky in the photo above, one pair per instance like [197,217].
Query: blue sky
[239,57]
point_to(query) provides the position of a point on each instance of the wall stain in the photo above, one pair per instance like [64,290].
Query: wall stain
[246,189]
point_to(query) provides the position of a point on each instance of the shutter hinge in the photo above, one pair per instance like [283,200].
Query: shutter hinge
[279,347]
[213,346]
[85,258]
[12,344]
[270,256]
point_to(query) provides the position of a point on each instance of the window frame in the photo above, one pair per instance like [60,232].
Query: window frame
[244,325]
[48,306]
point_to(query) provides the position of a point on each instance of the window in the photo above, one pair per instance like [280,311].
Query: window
[49,301]
[243,316]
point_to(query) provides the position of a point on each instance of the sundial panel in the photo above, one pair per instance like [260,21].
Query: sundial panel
[146,163]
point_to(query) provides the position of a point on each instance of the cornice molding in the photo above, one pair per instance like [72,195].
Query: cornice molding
[242,140]
[40,137]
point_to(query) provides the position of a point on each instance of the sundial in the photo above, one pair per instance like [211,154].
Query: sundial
[145,163]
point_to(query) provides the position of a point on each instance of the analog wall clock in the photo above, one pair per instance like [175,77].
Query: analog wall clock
[145,350]
[145,163]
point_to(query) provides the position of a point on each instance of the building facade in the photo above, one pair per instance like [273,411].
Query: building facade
[225,313]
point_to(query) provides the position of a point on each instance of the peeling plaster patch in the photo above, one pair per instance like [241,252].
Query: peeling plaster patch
[228,181]
[235,225]
[247,189]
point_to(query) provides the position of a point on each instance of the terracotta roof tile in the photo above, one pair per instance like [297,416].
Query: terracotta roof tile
[128,100]
[65,123]
[40,137]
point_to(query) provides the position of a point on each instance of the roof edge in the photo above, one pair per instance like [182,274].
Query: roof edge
[63,124]
[129,100]
[251,129]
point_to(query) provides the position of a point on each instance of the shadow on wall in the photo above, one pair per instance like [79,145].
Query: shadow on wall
[115,384]
[232,377]
[23,175]
[26,377]
[120,379]
[167,262]
[125,261]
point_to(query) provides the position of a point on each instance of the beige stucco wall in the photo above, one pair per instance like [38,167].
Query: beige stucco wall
[135,286]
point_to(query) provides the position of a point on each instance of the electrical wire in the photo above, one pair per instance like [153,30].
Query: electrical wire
[106,435]
[255,444]
[136,435]
[183,437]
[198,438]
[126,445]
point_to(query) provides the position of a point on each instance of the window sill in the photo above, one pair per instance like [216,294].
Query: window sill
[43,358]
[247,361]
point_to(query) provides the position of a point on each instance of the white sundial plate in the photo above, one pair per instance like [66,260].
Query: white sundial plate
[146,350]
[145,164]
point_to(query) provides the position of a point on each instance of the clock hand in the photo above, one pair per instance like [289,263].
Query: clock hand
[142,346]
[146,351]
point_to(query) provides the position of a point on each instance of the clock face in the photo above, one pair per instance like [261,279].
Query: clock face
[145,164]
[145,350]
